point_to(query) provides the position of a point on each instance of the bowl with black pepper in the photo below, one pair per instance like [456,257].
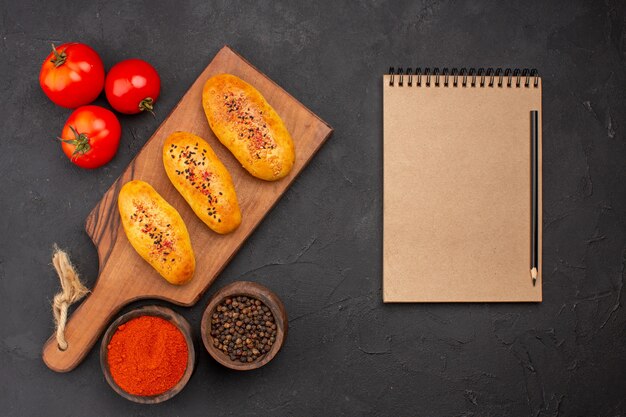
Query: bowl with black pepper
[244,325]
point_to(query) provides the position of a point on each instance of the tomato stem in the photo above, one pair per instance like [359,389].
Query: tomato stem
[80,141]
[147,104]
[59,57]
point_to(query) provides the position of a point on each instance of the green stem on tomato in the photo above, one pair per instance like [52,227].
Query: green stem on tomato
[80,142]
[147,104]
[59,57]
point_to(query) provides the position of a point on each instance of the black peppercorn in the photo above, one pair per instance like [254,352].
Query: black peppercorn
[243,328]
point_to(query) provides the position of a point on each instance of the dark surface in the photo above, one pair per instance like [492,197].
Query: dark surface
[320,248]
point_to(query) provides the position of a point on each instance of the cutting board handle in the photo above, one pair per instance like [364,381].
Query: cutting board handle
[83,328]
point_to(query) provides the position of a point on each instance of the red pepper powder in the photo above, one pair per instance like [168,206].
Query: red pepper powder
[147,356]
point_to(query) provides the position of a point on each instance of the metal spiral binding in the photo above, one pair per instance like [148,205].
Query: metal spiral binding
[498,77]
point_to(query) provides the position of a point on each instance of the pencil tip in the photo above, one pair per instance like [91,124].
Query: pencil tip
[533,274]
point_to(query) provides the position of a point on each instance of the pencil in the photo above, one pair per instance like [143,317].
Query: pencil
[534,167]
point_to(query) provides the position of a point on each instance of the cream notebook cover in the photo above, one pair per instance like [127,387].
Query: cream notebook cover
[457,186]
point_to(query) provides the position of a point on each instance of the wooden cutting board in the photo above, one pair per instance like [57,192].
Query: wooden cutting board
[124,276]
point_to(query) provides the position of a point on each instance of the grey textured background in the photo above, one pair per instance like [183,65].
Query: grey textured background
[320,248]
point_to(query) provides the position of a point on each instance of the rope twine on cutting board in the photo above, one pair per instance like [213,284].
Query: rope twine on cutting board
[72,290]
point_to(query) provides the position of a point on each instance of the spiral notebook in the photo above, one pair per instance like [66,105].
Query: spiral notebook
[458,185]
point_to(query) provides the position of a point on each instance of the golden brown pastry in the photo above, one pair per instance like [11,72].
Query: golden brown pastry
[248,126]
[202,180]
[156,231]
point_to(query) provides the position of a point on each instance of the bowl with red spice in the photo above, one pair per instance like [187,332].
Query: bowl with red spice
[147,355]
[244,325]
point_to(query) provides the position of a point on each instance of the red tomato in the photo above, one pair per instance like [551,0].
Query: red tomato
[132,86]
[72,75]
[91,136]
